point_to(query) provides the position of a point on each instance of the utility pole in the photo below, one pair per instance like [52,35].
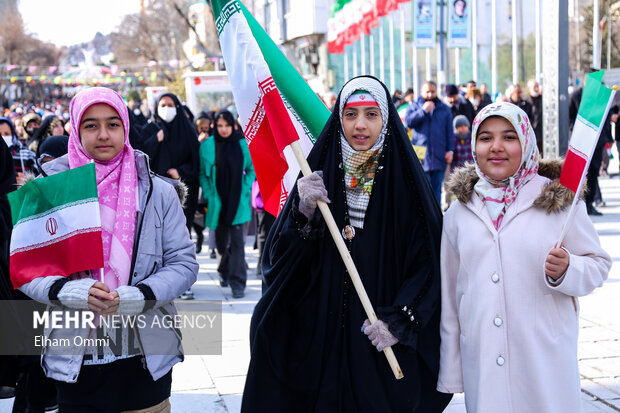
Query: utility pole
[555,78]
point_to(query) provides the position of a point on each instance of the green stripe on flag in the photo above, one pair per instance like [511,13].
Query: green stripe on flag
[594,99]
[288,80]
[44,194]
[224,11]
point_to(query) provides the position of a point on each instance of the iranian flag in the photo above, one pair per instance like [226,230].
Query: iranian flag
[593,109]
[56,226]
[275,104]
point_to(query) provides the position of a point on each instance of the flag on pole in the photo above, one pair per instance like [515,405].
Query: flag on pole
[56,226]
[593,109]
[275,104]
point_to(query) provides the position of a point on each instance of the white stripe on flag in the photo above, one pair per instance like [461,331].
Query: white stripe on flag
[54,226]
[584,138]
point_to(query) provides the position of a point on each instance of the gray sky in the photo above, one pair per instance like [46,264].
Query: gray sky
[68,22]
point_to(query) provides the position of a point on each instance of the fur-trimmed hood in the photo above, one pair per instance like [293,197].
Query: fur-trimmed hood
[554,196]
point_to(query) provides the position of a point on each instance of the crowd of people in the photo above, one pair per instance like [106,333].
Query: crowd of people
[460,316]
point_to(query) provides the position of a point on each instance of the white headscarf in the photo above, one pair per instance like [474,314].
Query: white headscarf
[358,196]
[498,195]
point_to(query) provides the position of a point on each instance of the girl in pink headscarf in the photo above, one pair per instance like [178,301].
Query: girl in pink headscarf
[149,260]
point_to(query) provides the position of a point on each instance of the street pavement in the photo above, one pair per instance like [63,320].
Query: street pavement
[214,383]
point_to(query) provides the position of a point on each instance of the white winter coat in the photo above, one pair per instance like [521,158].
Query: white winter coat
[508,337]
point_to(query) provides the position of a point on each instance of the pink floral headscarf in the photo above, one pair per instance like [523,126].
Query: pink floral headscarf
[498,195]
[117,182]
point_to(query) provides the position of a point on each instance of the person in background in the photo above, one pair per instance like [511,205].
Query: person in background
[486,98]
[462,151]
[51,148]
[171,143]
[409,96]
[30,122]
[203,129]
[458,104]
[535,100]
[474,97]
[509,316]
[515,96]
[24,160]
[431,122]
[264,221]
[51,125]
[226,177]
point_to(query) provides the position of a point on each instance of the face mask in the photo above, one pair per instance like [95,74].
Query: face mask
[534,94]
[30,131]
[474,102]
[167,113]
[136,111]
[8,140]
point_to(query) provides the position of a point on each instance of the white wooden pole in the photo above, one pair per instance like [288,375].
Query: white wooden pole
[428,65]
[457,66]
[538,44]
[381,54]
[346,257]
[474,39]
[493,48]
[392,59]
[596,37]
[403,57]
[515,45]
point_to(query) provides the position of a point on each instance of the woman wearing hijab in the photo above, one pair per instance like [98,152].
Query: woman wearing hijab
[171,143]
[50,126]
[51,148]
[509,316]
[308,351]
[148,261]
[226,177]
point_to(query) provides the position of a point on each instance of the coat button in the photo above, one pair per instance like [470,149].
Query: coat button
[500,361]
[498,322]
[495,277]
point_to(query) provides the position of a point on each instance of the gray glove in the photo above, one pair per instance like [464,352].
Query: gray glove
[131,300]
[379,334]
[311,189]
[74,294]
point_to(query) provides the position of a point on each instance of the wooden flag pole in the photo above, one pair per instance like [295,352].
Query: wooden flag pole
[346,257]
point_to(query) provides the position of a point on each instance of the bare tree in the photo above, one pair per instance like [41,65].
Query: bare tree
[156,33]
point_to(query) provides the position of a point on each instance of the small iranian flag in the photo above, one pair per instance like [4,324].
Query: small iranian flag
[275,104]
[56,226]
[593,109]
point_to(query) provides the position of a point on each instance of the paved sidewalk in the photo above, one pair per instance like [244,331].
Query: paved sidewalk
[215,384]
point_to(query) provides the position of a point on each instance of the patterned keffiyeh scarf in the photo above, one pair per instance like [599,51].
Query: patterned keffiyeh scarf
[499,195]
[360,166]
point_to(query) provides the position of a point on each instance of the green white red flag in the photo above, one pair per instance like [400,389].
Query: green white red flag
[596,101]
[56,226]
[275,104]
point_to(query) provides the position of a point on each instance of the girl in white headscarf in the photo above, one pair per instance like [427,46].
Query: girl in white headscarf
[509,318]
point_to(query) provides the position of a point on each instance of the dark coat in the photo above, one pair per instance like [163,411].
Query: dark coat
[433,130]
[308,353]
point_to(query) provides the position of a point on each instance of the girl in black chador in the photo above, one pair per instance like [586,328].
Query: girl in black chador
[312,348]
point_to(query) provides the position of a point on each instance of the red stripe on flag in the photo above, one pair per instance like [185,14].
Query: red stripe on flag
[79,253]
[573,169]
[285,133]
[269,166]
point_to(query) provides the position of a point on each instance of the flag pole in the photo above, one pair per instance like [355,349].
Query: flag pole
[346,257]
[571,212]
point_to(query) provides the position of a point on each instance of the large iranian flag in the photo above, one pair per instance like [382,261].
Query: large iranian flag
[596,101]
[275,104]
[56,226]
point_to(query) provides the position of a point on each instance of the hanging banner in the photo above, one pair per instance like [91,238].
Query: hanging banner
[459,24]
[424,14]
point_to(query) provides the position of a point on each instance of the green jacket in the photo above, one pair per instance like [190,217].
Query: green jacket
[209,190]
